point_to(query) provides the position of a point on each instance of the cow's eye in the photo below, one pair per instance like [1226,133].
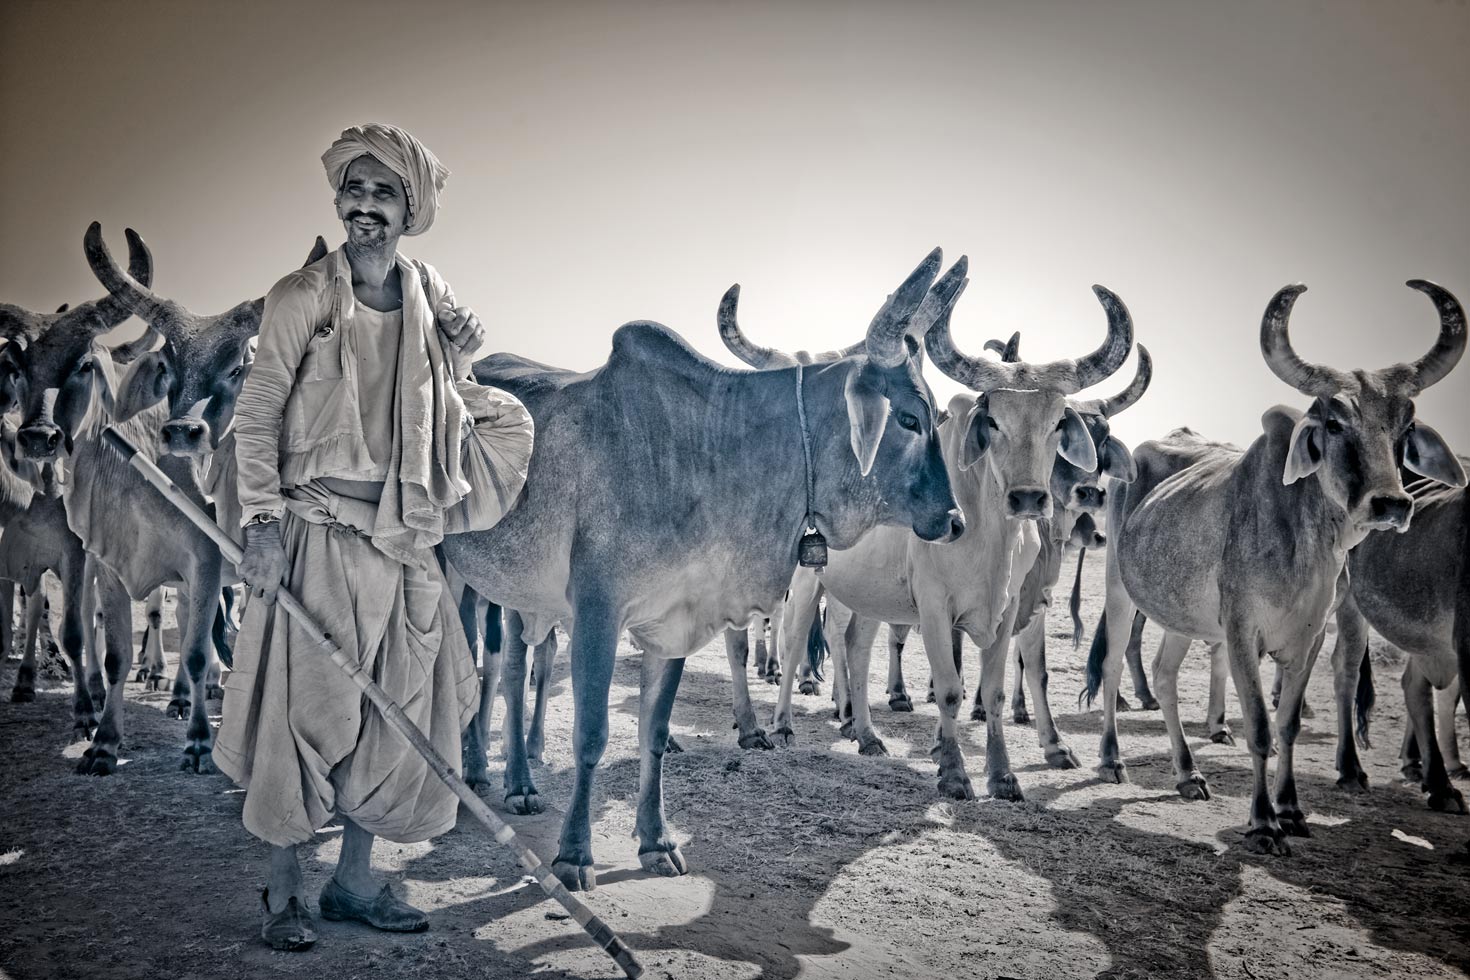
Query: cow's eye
[991,423]
[908,421]
[84,367]
[1334,426]
[236,373]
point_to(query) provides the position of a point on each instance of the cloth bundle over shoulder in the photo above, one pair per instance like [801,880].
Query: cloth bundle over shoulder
[495,456]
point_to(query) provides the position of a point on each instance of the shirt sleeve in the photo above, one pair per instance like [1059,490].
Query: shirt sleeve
[290,318]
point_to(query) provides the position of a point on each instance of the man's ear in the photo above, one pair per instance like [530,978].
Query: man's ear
[976,442]
[145,383]
[867,416]
[1076,446]
[1117,461]
[1426,453]
[1304,449]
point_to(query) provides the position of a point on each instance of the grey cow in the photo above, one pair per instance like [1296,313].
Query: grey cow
[1246,548]
[641,512]
[999,450]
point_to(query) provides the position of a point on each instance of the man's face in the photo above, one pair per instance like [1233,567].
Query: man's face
[372,204]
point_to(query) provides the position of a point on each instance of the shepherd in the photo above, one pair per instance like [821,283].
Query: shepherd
[349,431]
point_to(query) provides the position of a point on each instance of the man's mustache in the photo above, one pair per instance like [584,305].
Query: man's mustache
[358,213]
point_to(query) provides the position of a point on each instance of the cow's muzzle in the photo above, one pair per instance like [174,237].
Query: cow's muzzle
[1390,512]
[1028,503]
[945,530]
[184,437]
[1088,499]
[39,441]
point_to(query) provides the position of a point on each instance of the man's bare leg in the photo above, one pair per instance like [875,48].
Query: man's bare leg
[285,879]
[355,866]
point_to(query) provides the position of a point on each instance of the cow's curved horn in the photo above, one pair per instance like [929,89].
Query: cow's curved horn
[127,353]
[128,292]
[884,342]
[1103,362]
[1313,380]
[740,345]
[1010,351]
[1108,407]
[1445,354]
[940,299]
[15,324]
[975,373]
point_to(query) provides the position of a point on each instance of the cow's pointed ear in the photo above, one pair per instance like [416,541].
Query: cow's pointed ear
[1117,461]
[145,383]
[1426,453]
[976,441]
[1303,449]
[1076,446]
[867,416]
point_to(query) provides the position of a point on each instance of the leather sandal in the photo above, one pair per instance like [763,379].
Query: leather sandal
[382,912]
[289,929]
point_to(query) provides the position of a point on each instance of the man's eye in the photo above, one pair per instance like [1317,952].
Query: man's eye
[908,421]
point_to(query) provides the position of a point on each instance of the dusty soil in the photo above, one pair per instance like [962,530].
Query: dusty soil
[811,862]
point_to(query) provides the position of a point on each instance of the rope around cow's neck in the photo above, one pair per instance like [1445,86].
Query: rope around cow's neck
[806,447]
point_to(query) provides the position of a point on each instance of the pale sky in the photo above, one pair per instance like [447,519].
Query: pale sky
[631,160]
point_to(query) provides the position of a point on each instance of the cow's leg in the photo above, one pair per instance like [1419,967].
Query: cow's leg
[1446,700]
[95,639]
[737,651]
[198,605]
[656,851]
[1113,633]
[220,652]
[1172,650]
[1219,728]
[153,642]
[1347,659]
[1411,762]
[1031,644]
[957,644]
[473,739]
[860,637]
[7,619]
[801,609]
[1419,700]
[1019,714]
[771,669]
[491,664]
[101,758]
[898,695]
[938,637]
[544,660]
[520,791]
[75,622]
[25,678]
[1134,656]
[1296,669]
[1265,835]
[1001,782]
[839,619]
[594,647]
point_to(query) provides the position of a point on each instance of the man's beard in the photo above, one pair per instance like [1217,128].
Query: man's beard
[373,238]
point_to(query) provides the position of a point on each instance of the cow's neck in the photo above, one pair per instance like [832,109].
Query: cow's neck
[1296,524]
[846,504]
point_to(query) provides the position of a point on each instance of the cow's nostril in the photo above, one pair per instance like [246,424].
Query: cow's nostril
[1026,501]
[1395,509]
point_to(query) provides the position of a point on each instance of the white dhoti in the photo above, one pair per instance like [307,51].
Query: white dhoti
[295,730]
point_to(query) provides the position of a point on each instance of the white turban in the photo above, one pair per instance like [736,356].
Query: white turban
[422,173]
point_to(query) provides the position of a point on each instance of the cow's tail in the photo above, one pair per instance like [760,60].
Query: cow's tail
[816,645]
[1366,696]
[1074,604]
[1095,657]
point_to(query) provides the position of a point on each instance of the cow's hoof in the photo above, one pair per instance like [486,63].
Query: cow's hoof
[1353,782]
[141,675]
[22,695]
[1005,787]
[671,744]
[900,702]
[1460,772]
[1113,772]
[1149,703]
[774,677]
[155,683]
[956,786]
[846,730]
[178,708]
[1061,757]
[1307,711]
[1447,800]
[809,687]
[977,713]
[476,777]
[1293,823]
[1225,737]
[1413,773]
[1122,704]
[929,698]
[577,877]
[214,693]
[756,740]
[870,744]
[82,729]
[97,762]
[197,759]
[784,737]
[1021,716]
[523,800]
[1194,787]
[1267,840]
[668,863]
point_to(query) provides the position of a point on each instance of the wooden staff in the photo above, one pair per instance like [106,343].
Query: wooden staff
[503,832]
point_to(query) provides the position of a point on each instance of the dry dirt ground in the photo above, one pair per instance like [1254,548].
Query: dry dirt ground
[805,862]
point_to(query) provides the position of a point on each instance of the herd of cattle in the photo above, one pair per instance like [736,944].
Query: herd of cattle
[667,497]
